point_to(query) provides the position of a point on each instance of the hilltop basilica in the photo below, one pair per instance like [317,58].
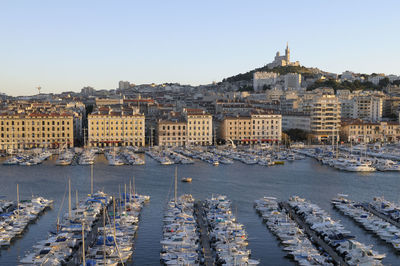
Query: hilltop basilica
[283,60]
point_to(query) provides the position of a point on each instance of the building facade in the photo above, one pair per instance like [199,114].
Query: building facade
[199,127]
[325,118]
[359,131]
[36,130]
[255,128]
[293,81]
[368,108]
[261,79]
[116,128]
[172,133]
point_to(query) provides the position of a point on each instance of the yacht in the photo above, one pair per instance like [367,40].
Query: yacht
[358,167]
[387,165]
[290,157]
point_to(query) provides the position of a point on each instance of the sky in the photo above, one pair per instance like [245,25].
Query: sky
[66,45]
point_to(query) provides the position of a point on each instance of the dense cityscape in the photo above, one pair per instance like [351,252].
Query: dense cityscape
[268,108]
[268,116]
[199,133]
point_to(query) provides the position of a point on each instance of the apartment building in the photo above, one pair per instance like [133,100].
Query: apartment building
[199,127]
[236,128]
[261,79]
[36,130]
[390,131]
[172,133]
[359,131]
[122,127]
[255,128]
[368,108]
[266,127]
[325,118]
[292,81]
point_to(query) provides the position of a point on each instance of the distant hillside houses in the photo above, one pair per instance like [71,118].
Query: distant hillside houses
[266,80]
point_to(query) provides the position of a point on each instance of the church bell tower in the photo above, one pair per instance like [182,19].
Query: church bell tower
[287,53]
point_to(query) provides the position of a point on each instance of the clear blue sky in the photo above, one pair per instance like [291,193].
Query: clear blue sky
[66,45]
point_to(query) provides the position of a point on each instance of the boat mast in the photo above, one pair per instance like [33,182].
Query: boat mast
[130,190]
[215,138]
[18,200]
[104,233]
[120,198]
[333,139]
[91,179]
[134,190]
[114,217]
[176,185]
[125,198]
[69,198]
[115,231]
[76,199]
[83,244]
[337,143]
[351,146]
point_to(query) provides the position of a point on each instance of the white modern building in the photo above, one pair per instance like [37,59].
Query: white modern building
[368,108]
[123,85]
[293,81]
[376,78]
[262,78]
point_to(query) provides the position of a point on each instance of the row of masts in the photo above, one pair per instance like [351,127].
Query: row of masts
[111,223]
[131,192]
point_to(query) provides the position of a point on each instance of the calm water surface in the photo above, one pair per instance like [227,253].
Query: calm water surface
[241,183]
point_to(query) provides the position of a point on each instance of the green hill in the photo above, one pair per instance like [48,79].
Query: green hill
[248,76]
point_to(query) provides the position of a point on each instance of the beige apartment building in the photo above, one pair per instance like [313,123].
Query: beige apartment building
[325,118]
[116,128]
[237,129]
[36,130]
[255,128]
[390,131]
[199,127]
[359,131]
[172,133]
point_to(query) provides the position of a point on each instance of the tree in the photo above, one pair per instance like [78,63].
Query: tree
[296,134]
[384,82]
[246,88]
[396,82]
[266,87]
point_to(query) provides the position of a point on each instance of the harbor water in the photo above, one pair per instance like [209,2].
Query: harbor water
[240,182]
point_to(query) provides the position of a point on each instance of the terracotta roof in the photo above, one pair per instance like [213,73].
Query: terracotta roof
[139,100]
[349,121]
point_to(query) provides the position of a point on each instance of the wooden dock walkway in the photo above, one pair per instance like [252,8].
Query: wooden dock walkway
[205,241]
[313,236]
[384,217]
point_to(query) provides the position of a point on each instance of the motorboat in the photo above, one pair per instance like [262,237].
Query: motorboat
[186,179]
[358,167]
